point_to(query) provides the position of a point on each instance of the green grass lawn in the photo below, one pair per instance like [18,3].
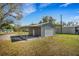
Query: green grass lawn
[60,44]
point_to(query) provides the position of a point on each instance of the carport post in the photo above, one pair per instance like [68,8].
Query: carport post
[33,32]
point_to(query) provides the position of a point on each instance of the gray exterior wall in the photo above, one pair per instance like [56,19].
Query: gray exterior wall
[68,30]
[47,30]
[42,30]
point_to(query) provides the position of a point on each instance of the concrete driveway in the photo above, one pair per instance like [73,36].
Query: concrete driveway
[6,36]
[16,37]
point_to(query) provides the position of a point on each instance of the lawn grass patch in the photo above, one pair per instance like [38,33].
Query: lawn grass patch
[60,44]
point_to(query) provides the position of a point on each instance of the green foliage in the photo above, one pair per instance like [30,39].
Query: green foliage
[6,26]
[48,19]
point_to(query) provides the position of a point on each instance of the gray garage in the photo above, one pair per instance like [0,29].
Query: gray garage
[44,29]
[37,30]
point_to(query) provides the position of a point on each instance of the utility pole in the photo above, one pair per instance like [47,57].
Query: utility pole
[61,22]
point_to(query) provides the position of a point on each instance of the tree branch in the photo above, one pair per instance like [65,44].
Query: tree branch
[3,5]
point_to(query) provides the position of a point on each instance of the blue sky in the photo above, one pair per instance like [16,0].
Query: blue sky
[34,12]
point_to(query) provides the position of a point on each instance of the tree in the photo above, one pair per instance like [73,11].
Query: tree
[52,20]
[17,28]
[40,22]
[64,24]
[48,19]
[10,11]
[71,23]
[45,19]
[7,26]
[13,10]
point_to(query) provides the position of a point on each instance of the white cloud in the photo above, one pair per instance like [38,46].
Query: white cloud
[77,11]
[28,4]
[44,5]
[30,8]
[65,5]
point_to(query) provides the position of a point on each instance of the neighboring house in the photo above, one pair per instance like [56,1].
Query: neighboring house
[7,30]
[68,30]
[77,29]
[43,30]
